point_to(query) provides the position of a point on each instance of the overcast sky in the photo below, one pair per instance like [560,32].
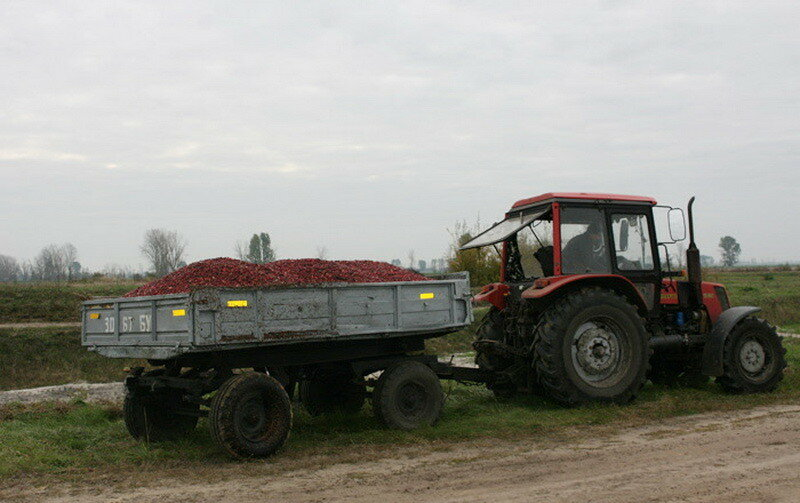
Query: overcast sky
[370,128]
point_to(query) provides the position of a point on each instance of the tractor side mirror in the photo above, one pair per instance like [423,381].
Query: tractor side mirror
[624,228]
[677,224]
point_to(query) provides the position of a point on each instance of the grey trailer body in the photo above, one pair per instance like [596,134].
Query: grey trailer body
[218,319]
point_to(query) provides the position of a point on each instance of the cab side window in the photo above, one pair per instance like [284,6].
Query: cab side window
[632,242]
[583,240]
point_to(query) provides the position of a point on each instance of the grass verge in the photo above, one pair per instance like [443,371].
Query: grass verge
[45,302]
[32,357]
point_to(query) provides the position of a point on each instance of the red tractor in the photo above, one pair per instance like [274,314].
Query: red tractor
[585,310]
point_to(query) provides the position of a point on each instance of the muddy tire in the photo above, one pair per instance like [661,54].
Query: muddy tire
[250,415]
[408,395]
[155,417]
[753,358]
[591,346]
[492,329]
[333,393]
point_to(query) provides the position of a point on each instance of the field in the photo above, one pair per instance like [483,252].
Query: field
[32,357]
[68,441]
[776,293]
[53,302]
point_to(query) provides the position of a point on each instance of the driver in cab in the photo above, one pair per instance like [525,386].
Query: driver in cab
[586,252]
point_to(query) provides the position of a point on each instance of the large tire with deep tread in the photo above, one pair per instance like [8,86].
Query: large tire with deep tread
[250,415]
[755,340]
[492,328]
[600,320]
[333,393]
[408,395]
[154,416]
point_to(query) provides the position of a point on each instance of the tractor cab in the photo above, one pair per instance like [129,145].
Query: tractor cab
[557,239]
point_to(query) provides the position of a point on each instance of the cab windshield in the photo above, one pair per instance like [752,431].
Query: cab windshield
[503,230]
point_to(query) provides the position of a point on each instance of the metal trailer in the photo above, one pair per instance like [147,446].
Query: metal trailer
[321,342]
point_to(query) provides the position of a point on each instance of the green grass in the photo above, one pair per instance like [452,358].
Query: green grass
[776,293]
[77,439]
[45,302]
[43,356]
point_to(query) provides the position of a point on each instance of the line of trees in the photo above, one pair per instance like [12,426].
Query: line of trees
[53,263]
[164,250]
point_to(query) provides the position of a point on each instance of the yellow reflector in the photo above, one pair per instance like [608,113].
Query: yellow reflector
[179,312]
[426,296]
[94,316]
[237,303]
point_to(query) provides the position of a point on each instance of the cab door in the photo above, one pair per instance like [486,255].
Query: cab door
[634,250]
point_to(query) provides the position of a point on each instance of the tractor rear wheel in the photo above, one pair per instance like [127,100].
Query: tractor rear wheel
[591,345]
[754,358]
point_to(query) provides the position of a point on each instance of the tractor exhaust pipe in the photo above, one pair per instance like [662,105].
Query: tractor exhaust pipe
[693,269]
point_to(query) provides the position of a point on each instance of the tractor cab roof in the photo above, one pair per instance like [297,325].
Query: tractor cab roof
[582,196]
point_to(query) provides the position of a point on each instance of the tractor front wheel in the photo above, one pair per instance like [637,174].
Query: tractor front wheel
[754,358]
[591,345]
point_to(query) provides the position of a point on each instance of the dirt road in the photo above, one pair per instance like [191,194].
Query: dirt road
[41,324]
[751,456]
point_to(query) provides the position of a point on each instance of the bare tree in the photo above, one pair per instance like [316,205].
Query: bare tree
[411,259]
[70,257]
[51,263]
[164,250]
[28,270]
[240,250]
[322,252]
[117,271]
[9,268]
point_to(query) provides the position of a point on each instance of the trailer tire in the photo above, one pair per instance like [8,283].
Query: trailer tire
[408,395]
[250,415]
[151,416]
[333,393]
[591,346]
[754,358]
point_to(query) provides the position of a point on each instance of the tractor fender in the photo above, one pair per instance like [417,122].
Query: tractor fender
[714,348]
[547,287]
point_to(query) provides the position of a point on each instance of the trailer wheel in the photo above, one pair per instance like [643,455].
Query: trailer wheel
[154,417]
[332,393]
[408,395]
[250,415]
[591,345]
[754,358]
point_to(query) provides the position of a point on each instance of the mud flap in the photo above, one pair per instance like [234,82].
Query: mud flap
[715,346]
